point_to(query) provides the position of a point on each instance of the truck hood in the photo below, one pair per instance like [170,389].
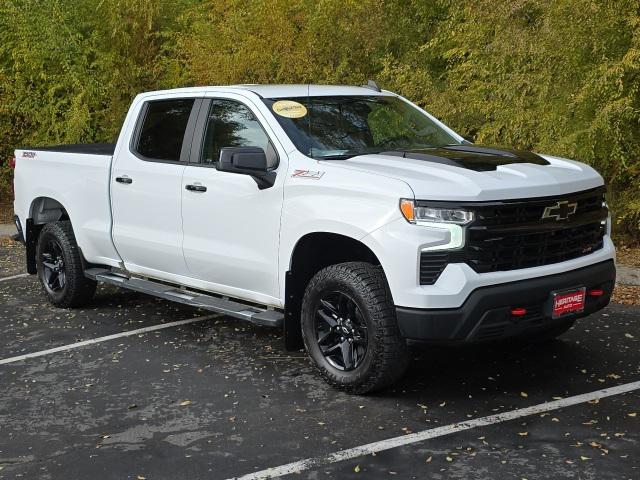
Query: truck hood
[474,173]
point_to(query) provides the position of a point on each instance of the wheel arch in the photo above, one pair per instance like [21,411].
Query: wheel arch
[42,210]
[311,253]
[46,210]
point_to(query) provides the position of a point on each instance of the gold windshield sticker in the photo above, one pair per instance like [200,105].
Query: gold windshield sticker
[289,109]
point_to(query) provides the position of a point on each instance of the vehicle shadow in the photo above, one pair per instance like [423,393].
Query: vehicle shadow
[553,368]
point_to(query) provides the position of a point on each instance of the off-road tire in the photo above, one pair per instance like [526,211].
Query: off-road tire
[78,290]
[387,355]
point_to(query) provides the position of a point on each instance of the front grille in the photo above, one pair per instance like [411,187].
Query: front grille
[494,252]
[512,235]
[529,211]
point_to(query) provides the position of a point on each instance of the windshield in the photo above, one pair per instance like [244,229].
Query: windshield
[345,126]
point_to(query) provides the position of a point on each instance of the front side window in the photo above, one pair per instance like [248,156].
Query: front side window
[163,128]
[345,126]
[231,124]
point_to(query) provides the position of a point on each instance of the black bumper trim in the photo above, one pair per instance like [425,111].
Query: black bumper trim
[486,314]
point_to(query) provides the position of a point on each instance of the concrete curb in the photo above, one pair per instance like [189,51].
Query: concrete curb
[7,229]
[626,275]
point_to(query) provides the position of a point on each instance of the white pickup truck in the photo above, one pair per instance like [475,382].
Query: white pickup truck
[346,215]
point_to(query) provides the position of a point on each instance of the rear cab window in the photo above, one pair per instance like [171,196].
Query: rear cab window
[160,132]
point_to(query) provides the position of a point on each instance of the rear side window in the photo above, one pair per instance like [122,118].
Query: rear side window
[163,128]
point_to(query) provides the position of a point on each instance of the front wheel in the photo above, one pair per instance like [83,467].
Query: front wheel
[60,269]
[350,330]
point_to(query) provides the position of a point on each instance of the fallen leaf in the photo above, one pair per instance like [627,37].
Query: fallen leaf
[356,469]
[184,403]
[583,458]
[449,459]
[523,434]
[524,394]
[428,460]
[628,335]
[633,414]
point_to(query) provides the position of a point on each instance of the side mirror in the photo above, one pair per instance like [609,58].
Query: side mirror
[247,161]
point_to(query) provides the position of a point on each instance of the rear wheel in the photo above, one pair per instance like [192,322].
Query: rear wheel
[59,267]
[349,328]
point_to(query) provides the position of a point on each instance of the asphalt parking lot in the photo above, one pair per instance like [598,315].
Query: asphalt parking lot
[219,398]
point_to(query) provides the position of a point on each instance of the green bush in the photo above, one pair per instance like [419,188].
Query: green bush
[556,77]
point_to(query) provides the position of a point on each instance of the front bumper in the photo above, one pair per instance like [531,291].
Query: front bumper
[486,313]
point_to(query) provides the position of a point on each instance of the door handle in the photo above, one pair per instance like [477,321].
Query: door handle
[196,188]
[124,179]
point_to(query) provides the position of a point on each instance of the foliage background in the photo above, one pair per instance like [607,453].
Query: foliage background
[559,77]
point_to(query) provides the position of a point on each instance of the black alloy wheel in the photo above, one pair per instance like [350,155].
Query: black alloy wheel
[53,275]
[341,331]
[60,267]
[349,328]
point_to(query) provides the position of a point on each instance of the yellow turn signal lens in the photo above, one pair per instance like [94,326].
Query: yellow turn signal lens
[406,207]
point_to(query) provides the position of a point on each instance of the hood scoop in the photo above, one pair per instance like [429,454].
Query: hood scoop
[470,157]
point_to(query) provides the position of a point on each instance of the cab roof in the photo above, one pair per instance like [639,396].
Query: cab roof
[278,91]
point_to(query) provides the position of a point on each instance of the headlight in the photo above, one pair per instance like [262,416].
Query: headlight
[417,214]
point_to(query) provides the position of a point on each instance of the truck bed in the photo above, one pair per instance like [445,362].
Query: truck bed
[76,179]
[86,148]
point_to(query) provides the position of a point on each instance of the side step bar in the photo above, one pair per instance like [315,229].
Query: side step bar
[257,315]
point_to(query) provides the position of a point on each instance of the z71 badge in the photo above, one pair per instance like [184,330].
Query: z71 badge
[311,174]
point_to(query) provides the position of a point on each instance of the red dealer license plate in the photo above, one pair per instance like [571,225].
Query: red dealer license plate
[565,303]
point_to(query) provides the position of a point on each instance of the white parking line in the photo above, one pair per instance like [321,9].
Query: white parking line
[309,463]
[106,339]
[13,277]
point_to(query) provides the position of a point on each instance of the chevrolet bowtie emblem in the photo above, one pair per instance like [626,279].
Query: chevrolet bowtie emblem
[560,211]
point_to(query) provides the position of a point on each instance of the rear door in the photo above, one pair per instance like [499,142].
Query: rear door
[231,227]
[146,187]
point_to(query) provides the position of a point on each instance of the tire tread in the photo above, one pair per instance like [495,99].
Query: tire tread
[391,357]
[80,290]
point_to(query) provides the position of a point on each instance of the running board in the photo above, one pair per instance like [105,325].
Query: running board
[257,315]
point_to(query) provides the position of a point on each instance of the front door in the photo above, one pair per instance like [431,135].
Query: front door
[231,227]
